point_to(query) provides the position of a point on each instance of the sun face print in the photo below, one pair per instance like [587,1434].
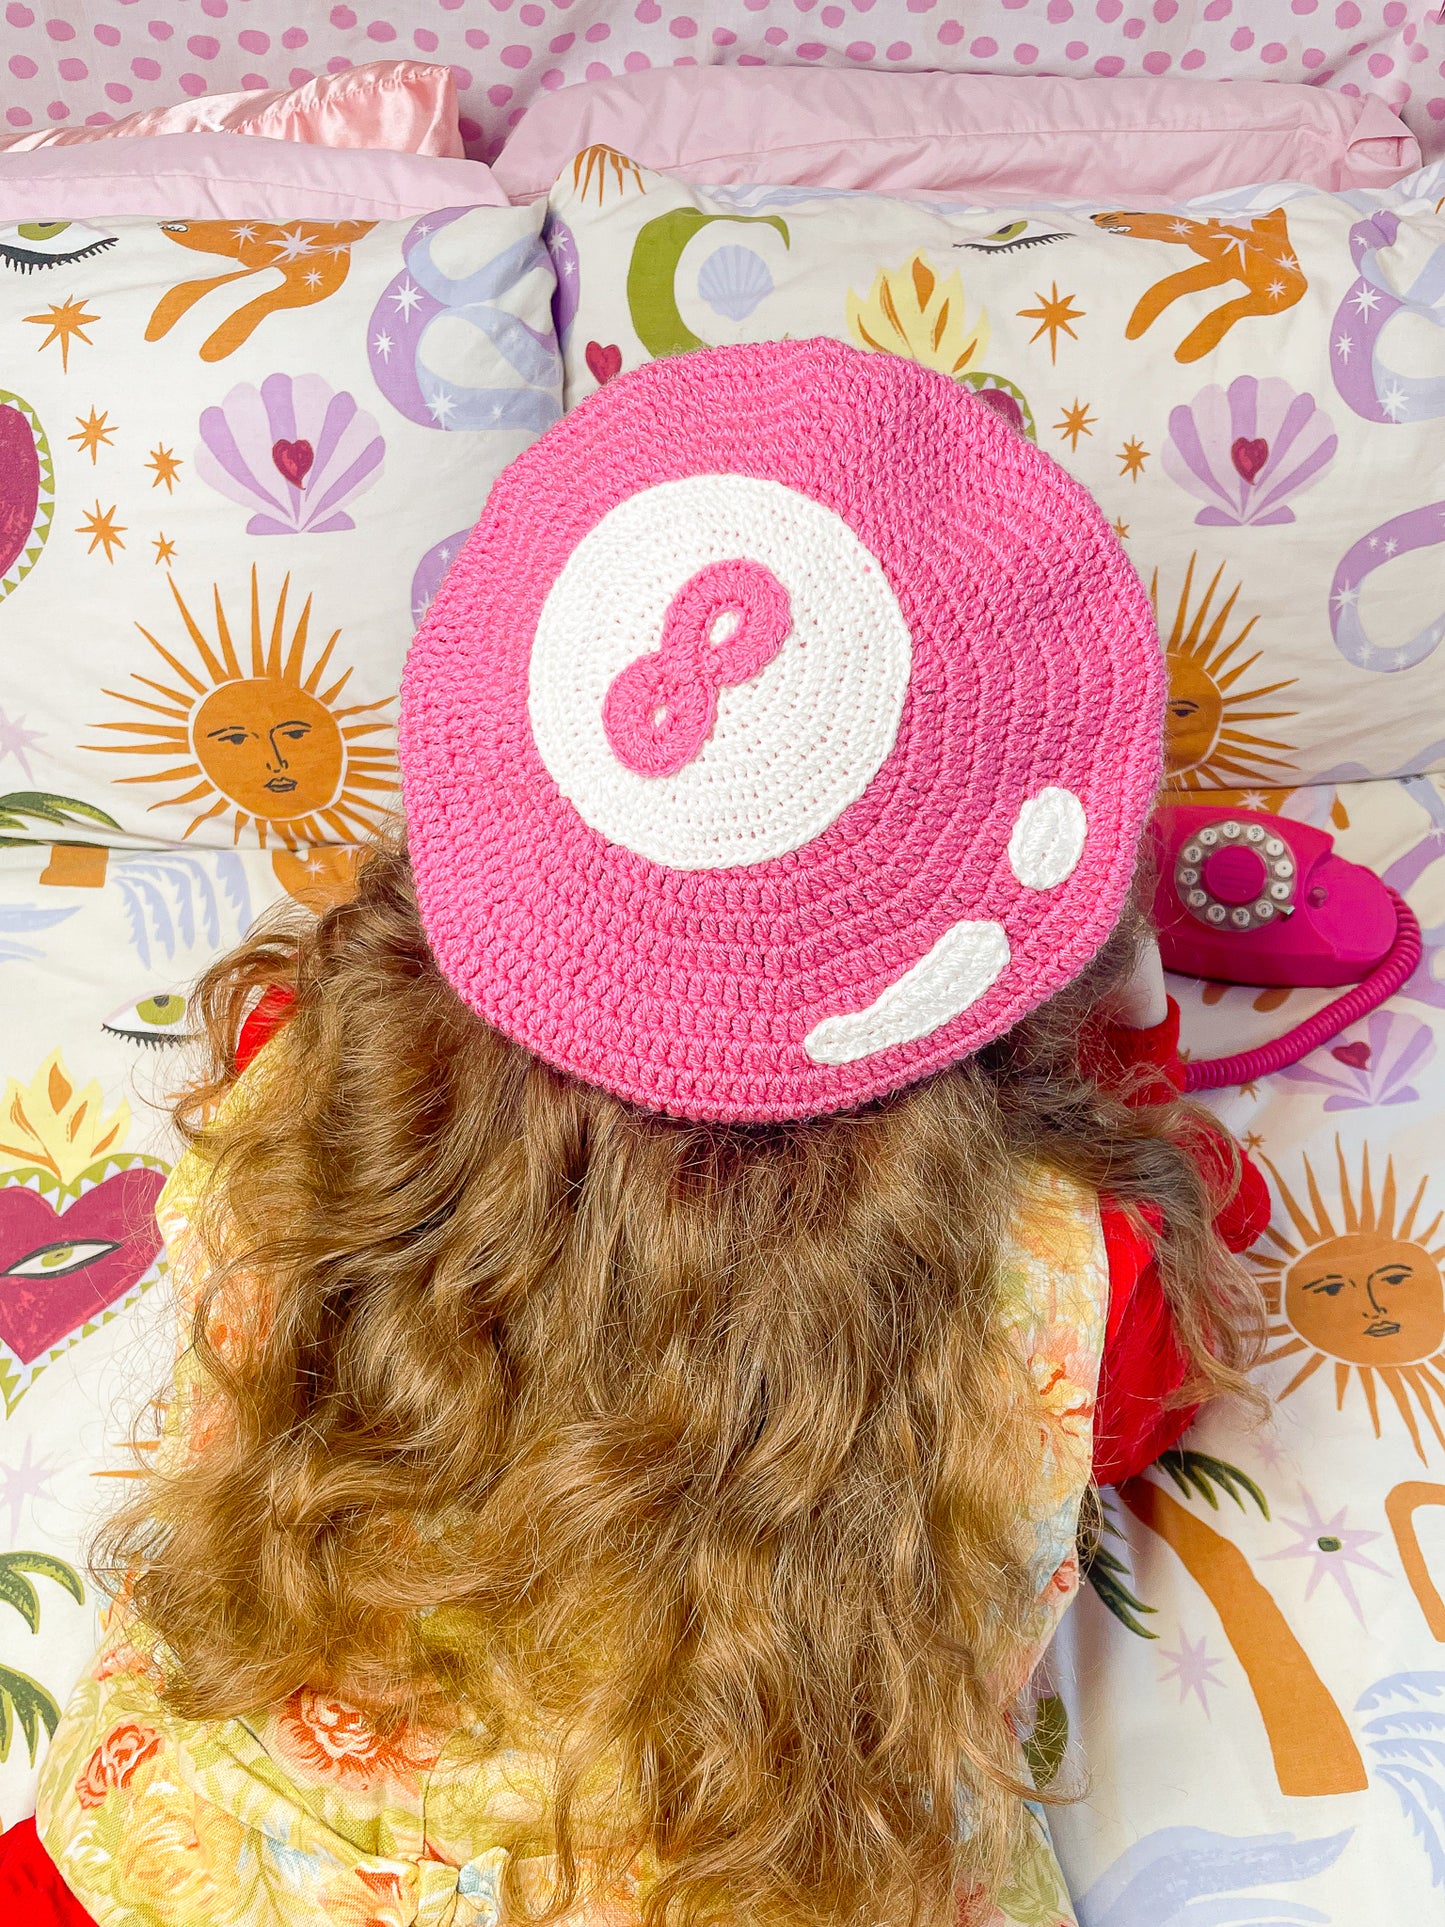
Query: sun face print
[1365,1292]
[265,739]
[1209,740]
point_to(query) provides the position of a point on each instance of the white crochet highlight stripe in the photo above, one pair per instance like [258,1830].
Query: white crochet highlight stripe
[967,960]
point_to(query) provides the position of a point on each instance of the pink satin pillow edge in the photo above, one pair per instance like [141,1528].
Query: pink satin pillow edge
[1021,135]
[404,106]
[235,177]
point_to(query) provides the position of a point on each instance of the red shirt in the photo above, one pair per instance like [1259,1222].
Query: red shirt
[1142,1361]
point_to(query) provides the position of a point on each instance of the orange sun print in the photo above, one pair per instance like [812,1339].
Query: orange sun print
[1366,1294]
[1211,735]
[266,739]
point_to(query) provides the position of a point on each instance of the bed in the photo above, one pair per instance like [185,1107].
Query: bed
[1246,1708]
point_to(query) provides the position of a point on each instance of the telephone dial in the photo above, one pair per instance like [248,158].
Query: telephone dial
[1243,897]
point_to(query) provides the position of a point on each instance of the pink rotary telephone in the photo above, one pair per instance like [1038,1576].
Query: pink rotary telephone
[1247,898]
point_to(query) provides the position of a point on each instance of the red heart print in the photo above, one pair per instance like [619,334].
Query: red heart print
[117,1215]
[1249,457]
[1357,1055]
[294,460]
[604,362]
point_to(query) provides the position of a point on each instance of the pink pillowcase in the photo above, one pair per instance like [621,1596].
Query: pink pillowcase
[405,105]
[1018,136]
[234,177]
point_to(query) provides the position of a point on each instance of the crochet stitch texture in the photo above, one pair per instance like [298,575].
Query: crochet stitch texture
[783,733]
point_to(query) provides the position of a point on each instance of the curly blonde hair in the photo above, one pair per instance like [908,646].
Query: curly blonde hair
[700,1450]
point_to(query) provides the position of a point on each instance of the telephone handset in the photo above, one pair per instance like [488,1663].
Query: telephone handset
[1247,898]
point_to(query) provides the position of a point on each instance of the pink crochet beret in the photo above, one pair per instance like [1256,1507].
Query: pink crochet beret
[784,732]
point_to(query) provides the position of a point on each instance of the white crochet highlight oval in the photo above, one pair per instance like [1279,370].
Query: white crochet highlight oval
[793,746]
[1048,839]
[967,960]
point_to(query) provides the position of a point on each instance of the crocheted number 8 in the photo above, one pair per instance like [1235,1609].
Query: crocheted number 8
[723,627]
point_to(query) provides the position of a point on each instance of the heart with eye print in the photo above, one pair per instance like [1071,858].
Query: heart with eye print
[118,1215]
[294,460]
[1356,1055]
[1249,457]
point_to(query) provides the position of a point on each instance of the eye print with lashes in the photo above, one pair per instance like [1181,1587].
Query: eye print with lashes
[28,245]
[150,1021]
[1014,235]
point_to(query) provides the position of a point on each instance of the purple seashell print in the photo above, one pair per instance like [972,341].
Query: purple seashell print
[1246,449]
[1374,1063]
[449,352]
[294,450]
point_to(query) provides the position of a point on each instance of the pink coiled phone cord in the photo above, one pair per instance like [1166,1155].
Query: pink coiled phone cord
[1210,1073]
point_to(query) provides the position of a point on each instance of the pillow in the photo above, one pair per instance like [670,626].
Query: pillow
[1253,386]
[401,104]
[905,132]
[214,176]
[235,457]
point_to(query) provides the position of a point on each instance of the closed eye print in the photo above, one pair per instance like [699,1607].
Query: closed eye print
[54,1261]
[1013,235]
[152,1021]
[29,245]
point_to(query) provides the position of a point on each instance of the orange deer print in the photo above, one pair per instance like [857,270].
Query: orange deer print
[1255,253]
[311,257]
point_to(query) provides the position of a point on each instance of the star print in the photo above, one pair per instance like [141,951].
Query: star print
[1249,1090]
[1178,227]
[16,740]
[313,280]
[102,528]
[29,1479]
[293,245]
[1055,311]
[1374,541]
[243,232]
[1253,800]
[1332,1548]
[94,434]
[1076,421]
[1394,401]
[1343,346]
[1133,456]
[1366,299]
[165,549]
[406,298]
[1288,261]
[1345,598]
[383,345]
[1275,290]
[1252,1140]
[441,406]
[1121,529]
[166,467]
[423,227]
[1390,545]
[67,321]
[1193,1667]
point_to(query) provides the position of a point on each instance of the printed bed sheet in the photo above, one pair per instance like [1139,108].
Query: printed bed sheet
[1254,1683]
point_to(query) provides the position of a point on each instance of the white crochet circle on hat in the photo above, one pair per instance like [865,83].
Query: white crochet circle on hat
[793,745]
[1048,838]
